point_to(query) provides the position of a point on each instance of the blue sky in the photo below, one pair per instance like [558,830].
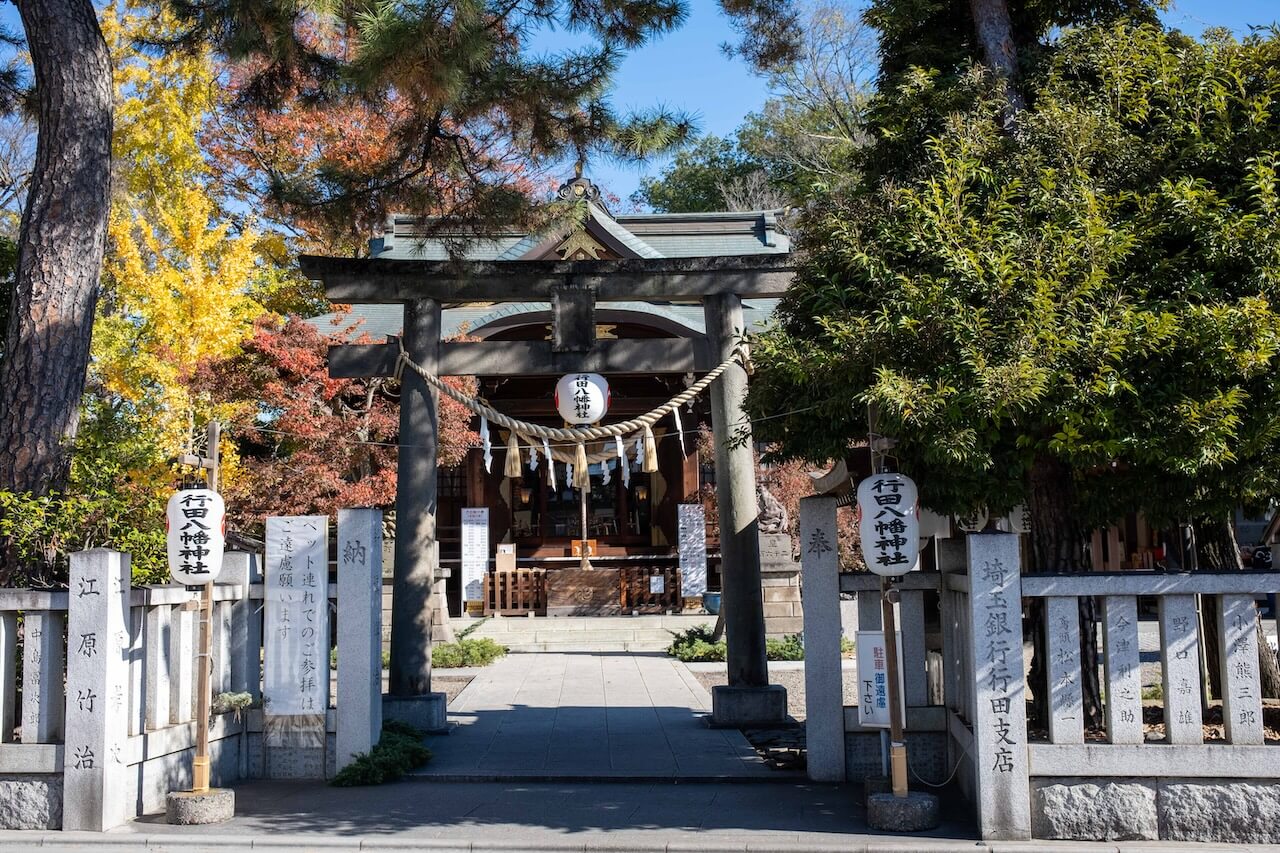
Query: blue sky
[686,70]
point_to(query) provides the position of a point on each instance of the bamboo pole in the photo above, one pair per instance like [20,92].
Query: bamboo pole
[897,746]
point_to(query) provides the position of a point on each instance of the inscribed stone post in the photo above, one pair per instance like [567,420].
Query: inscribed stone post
[1123,667]
[94,762]
[823,674]
[1066,699]
[295,692]
[1238,663]
[1000,714]
[42,698]
[359,632]
[1179,642]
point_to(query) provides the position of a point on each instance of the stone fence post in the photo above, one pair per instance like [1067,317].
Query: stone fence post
[97,706]
[1000,760]
[823,668]
[359,632]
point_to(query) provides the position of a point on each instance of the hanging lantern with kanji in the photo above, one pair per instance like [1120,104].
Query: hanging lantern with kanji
[890,524]
[582,398]
[196,521]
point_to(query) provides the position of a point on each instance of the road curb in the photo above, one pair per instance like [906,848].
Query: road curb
[55,841]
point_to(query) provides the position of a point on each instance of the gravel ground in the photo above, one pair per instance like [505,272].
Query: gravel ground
[449,685]
[792,680]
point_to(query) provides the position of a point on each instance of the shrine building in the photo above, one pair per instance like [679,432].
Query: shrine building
[631,520]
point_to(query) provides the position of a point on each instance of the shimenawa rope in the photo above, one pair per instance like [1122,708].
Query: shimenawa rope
[578,436]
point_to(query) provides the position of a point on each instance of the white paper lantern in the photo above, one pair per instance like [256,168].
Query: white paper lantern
[582,398]
[973,521]
[890,525]
[1019,519]
[196,520]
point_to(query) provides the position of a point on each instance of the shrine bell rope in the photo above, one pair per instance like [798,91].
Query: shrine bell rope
[577,436]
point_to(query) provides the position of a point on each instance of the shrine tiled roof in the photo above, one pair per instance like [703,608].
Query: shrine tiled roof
[645,235]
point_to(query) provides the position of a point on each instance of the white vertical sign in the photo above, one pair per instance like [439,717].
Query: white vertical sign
[296,616]
[475,551]
[873,678]
[693,549]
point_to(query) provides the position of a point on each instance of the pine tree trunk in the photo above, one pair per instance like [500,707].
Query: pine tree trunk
[999,51]
[60,245]
[1057,545]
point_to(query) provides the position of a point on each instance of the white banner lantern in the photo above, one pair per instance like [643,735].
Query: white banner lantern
[890,526]
[973,521]
[582,398]
[196,521]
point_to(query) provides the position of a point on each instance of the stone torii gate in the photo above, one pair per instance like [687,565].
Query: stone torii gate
[572,288]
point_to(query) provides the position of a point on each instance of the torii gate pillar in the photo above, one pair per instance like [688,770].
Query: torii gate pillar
[748,699]
[417,553]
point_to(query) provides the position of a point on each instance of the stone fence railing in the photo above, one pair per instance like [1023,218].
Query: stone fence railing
[98,681]
[1023,782]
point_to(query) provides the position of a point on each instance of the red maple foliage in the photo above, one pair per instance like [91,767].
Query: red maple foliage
[309,443]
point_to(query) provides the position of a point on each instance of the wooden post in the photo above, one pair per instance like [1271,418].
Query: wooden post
[200,763]
[897,746]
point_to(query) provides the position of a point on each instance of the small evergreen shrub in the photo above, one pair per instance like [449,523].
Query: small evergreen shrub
[790,647]
[695,645]
[399,749]
[481,651]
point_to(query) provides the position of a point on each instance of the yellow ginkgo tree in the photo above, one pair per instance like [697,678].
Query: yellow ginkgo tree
[177,273]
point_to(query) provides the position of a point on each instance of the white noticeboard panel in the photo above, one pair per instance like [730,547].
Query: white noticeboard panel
[657,584]
[295,678]
[475,551]
[693,549]
[873,679]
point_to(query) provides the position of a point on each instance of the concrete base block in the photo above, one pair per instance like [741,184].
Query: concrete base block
[748,707]
[913,813]
[427,712]
[191,808]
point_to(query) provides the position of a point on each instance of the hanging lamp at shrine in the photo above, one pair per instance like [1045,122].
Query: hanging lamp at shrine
[582,398]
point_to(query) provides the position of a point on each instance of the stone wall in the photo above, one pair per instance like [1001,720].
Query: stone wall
[926,756]
[31,801]
[1166,809]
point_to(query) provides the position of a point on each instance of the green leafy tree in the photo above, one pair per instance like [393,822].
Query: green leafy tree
[694,181]
[801,138]
[1078,315]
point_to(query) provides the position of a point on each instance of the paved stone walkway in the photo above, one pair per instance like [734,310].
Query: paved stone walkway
[588,716]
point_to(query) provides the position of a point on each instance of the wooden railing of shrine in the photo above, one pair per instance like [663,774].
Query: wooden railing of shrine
[515,592]
[638,595]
